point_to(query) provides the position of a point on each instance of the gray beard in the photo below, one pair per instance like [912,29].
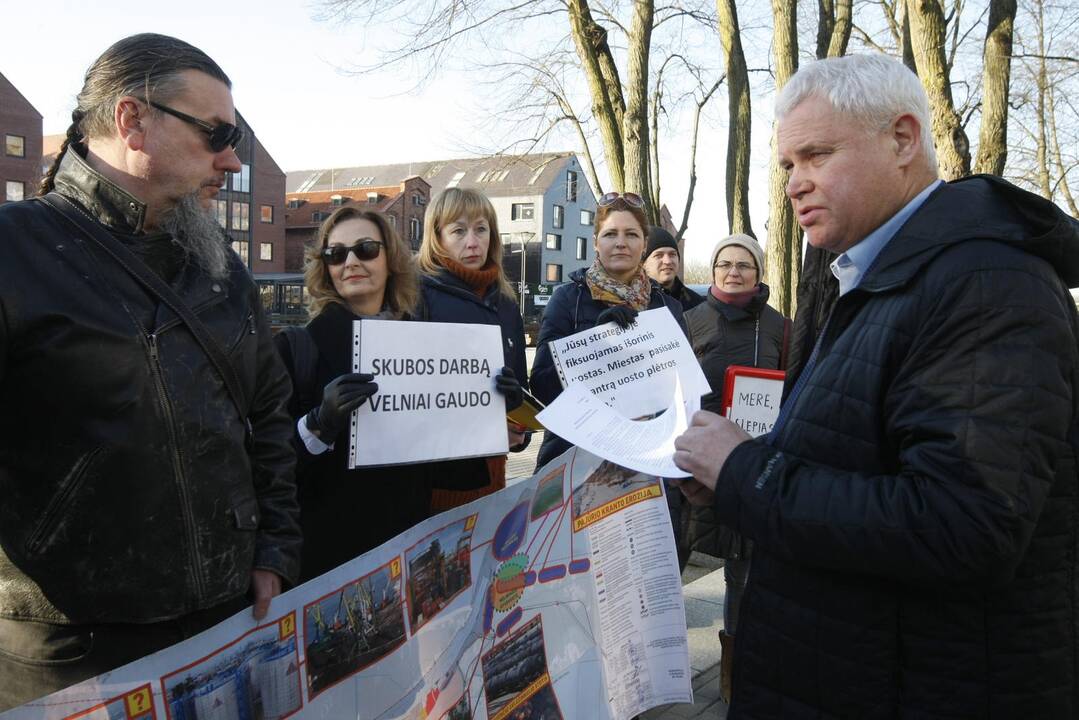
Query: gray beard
[195,230]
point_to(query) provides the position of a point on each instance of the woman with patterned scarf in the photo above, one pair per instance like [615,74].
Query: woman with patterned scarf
[462,281]
[614,289]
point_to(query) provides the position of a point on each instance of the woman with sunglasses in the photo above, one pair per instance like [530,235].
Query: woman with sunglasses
[733,326]
[358,268]
[462,281]
[614,289]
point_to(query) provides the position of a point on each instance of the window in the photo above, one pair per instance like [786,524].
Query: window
[223,213]
[506,239]
[582,248]
[294,203]
[415,233]
[559,216]
[554,273]
[240,246]
[266,294]
[266,213]
[337,200]
[15,146]
[571,186]
[241,181]
[522,211]
[587,217]
[317,217]
[240,216]
[392,220]
[554,242]
[15,190]
[418,200]
[266,251]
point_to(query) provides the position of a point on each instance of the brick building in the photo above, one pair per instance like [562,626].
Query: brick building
[402,204]
[544,204]
[20,131]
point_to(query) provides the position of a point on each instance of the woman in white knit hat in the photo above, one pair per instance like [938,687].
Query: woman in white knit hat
[734,326]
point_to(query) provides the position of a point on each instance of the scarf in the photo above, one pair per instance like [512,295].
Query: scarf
[477,280]
[605,288]
[738,299]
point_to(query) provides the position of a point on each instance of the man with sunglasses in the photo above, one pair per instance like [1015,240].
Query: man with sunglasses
[145,457]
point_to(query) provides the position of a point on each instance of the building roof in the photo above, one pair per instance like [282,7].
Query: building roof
[501,175]
[27,105]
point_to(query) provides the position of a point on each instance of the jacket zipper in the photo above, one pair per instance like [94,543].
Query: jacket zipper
[177,464]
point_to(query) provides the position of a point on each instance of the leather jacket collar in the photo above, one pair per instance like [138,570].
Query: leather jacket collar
[106,201]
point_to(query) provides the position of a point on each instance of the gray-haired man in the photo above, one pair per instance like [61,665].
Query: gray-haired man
[915,509]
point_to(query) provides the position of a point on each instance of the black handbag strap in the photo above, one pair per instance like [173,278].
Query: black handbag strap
[152,282]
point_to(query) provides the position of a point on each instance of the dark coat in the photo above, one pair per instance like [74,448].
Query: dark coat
[345,513]
[725,335]
[688,298]
[916,515]
[446,298]
[130,491]
[571,310]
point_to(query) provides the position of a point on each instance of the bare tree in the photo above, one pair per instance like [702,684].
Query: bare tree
[784,246]
[739,119]
[996,80]
[929,38]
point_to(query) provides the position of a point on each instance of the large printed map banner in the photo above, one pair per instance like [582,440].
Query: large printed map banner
[558,597]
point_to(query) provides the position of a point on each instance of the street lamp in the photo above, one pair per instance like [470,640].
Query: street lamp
[522,288]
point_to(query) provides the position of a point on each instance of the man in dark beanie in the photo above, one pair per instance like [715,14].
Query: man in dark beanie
[662,261]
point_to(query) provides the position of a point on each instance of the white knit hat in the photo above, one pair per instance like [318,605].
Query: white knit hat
[745,241]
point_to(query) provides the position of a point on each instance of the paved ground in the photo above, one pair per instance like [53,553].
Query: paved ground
[704,592]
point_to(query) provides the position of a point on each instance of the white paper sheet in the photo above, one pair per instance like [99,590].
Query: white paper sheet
[643,445]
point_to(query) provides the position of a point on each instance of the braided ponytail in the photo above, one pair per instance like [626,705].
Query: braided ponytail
[74,134]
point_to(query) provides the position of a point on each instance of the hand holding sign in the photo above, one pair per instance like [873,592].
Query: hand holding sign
[339,398]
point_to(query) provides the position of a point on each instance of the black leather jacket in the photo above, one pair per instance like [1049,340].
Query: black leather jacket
[130,494]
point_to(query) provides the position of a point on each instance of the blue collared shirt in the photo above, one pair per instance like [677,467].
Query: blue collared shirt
[850,267]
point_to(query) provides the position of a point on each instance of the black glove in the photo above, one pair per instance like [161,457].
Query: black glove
[506,383]
[621,315]
[339,398]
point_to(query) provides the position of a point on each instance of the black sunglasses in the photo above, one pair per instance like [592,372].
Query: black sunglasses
[631,199]
[221,136]
[364,250]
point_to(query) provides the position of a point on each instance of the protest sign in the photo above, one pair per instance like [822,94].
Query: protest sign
[632,370]
[557,597]
[751,397]
[436,396]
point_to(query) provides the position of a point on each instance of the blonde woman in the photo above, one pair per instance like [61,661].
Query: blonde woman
[462,281]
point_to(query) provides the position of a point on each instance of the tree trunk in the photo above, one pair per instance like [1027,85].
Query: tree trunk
[928,34]
[908,49]
[834,23]
[783,263]
[996,80]
[1058,160]
[1042,138]
[739,121]
[635,120]
[597,64]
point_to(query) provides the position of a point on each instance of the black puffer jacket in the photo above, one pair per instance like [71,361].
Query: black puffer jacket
[685,296]
[129,492]
[725,335]
[916,518]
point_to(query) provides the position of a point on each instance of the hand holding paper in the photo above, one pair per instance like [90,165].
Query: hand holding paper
[703,448]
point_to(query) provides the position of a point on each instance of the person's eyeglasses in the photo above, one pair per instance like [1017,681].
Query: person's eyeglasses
[631,199]
[725,267]
[364,250]
[221,136]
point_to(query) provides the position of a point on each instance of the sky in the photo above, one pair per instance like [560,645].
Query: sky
[290,83]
